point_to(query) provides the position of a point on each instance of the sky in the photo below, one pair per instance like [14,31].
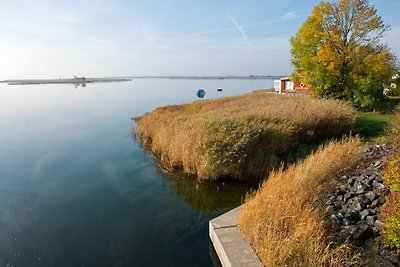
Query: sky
[103,38]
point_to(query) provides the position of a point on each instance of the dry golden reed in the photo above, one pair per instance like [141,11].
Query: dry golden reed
[242,136]
[282,220]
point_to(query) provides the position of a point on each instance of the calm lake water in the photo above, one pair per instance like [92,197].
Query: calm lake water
[76,189]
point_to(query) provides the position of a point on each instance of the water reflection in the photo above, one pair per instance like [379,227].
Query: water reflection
[76,191]
[204,196]
[208,197]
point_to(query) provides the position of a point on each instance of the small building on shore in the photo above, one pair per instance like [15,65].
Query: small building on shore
[286,86]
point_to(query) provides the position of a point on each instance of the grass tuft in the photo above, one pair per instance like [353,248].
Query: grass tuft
[242,136]
[282,220]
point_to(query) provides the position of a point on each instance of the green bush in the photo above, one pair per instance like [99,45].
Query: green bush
[391,233]
[390,211]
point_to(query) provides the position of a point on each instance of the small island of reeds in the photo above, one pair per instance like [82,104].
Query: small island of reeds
[239,137]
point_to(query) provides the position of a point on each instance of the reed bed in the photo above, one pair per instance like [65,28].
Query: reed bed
[283,220]
[239,137]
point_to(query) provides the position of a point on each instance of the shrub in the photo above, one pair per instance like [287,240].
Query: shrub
[242,136]
[390,211]
[282,220]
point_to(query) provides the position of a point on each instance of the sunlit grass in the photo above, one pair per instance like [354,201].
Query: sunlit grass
[240,137]
[282,220]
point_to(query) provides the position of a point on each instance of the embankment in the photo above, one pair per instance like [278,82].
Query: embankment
[283,221]
[340,207]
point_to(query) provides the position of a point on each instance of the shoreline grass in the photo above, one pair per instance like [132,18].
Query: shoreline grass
[240,137]
[390,211]
[283,221]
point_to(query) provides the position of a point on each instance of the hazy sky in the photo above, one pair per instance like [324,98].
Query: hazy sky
[52,38]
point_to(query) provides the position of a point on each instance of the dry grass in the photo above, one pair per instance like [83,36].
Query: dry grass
[242,136]
[282,220]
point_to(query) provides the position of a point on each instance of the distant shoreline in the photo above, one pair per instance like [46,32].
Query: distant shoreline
[76,80]
[227,77]
[83,80]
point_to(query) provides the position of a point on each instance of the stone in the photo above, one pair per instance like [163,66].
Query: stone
[366,183]
[337,205]
[371,195]
[352,229]
[355,203]
[372,176]
[370,220]
[364,214]
[379,225]
[348,196]
[377,164]
[358,204]
[341,192]
[350,181]
[356,185]
[364,232]
[353,215]
[378,186]
[380,200]
[330,200]
[372,211]
[363,176]
[360,189]
[349,203]
[364,200]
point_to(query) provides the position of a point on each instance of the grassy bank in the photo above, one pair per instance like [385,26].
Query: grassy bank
[283,222]
[370,125]
[239,137]
[390,212]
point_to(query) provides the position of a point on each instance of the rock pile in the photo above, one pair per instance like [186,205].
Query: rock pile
[354,204]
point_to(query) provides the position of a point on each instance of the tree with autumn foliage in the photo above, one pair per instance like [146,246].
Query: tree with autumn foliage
[339,54]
